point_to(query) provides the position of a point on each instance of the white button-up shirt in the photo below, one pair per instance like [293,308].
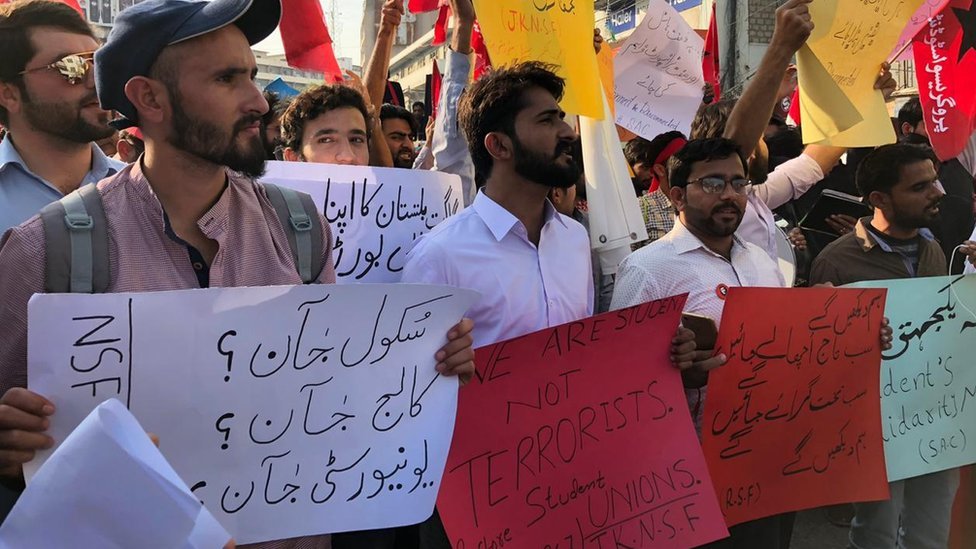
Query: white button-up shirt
[523,288]
[680,263]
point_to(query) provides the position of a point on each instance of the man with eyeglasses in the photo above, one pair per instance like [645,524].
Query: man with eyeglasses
[48,105]
[702,256]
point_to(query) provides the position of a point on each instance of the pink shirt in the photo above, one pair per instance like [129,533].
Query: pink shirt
[253,251]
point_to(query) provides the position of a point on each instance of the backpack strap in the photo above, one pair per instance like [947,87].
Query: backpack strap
[299,218]
[76,243]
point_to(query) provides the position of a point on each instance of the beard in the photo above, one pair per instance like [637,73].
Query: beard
[909,220]
[64,120]
[709,225]
[209,142]
[545,169]
[404,158]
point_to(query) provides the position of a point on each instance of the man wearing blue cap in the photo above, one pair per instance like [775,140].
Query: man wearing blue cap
[188,214]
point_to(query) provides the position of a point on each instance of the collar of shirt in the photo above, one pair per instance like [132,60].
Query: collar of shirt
[101,167]
[500,221]
[684,241]
[868,240]
[212,224]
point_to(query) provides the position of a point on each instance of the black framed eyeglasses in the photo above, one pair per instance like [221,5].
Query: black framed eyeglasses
[73,68]
[715,185]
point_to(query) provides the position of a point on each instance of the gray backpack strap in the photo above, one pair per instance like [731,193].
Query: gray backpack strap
[299,217]
[76,243]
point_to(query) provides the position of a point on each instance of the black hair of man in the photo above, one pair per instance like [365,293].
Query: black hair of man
[17,20]
[642,151]
[881,169]
[910,113]
[711,119]
[701,150]
[492,103]
[389,112]
[314,102]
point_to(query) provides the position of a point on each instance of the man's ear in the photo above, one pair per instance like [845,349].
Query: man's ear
[907,128]
[677,196]
[290,155]
[499,146]
[10,97]
[879,200]
[149,97]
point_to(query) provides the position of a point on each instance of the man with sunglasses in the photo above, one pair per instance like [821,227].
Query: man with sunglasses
[49,106]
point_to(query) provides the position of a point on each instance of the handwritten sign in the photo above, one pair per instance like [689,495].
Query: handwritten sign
[791,421]
[920,19]
[289,411]
[579,436]
[928,383]
[376,214]
[658,74]
[838,66]
[554,31]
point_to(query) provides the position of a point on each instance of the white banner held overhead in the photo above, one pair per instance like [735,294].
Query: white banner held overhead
[658,74]
[376,214]
[289,411]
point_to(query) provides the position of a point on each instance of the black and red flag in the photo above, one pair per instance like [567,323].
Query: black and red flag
[945,67]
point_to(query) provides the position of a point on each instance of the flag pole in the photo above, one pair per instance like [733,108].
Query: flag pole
[900,51]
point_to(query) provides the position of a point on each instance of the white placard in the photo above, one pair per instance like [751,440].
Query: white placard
[376,214]
[658,74]
[288,410]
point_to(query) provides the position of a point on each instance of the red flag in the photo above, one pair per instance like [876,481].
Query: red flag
[420,6]
[435,91]
[306,38]
[945,66]
[795,106]
[710,67]
[71,3]
[482,63]
[440,27]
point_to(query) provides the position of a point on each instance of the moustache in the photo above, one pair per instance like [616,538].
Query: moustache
[565,147]
[245,122]
[727,206]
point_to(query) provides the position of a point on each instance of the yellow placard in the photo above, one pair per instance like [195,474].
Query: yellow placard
[553,31]
[604,61]
[839,65]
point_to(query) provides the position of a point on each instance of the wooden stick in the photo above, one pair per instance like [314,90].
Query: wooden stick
[900,51]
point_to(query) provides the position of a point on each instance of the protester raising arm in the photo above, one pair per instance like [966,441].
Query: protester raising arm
[375,78]
[751,114]
[449,146]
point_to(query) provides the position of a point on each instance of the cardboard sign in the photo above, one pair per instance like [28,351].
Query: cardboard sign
[792,419]
[289,411]
[559,32]
[580,436]
[376,214]
[928,382]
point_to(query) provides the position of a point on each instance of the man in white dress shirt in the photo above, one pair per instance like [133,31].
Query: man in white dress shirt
[703,256]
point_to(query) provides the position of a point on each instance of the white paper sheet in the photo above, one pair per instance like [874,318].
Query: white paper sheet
[108,486]
[289,411]
[376,214]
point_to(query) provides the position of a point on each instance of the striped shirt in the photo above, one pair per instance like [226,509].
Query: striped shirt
[253,251]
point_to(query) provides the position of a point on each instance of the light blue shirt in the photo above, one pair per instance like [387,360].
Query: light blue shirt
[23,193]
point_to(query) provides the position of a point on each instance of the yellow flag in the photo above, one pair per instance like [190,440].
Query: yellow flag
[839,65]
[554,31]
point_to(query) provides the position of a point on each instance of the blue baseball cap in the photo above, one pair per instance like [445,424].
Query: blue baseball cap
[143,30]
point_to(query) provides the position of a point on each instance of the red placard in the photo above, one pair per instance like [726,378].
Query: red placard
[580,436]
[793,419]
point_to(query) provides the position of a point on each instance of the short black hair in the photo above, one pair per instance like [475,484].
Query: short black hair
[881,168]
[701,150]
[910,113]
[710,120]
[419,104]
[388,111]
[17,20]
[642,151]
[492,103]
[311,104]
